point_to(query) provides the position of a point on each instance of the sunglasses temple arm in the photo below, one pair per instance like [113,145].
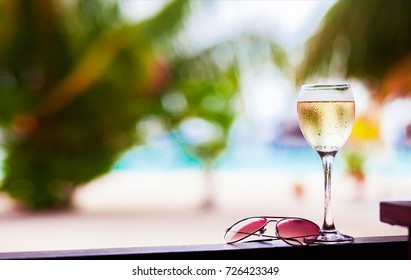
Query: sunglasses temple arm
[294,238]
[271,237]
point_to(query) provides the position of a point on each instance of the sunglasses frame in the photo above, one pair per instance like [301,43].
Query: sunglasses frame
[262,229]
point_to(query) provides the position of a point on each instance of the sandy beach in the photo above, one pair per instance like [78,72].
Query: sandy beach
[154,208]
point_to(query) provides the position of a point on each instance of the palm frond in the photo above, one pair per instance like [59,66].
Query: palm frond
[361,39]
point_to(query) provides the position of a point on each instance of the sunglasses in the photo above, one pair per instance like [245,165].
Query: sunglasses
[294,231]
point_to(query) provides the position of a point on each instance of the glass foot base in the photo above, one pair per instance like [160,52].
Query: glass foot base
[330,238]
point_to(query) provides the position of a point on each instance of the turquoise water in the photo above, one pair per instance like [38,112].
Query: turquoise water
[165,154]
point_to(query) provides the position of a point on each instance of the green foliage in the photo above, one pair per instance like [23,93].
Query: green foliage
[73,86]
[360,39]
[76,79]
[212,99]
[355,163]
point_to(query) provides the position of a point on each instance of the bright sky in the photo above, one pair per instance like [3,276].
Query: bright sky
[290,22]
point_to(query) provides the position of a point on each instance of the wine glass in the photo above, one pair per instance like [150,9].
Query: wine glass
[326,116]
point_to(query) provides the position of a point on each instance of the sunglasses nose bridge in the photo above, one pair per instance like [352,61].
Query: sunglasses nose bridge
[261,231]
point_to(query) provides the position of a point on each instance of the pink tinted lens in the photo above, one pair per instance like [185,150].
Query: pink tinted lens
[244,229]
[295,230]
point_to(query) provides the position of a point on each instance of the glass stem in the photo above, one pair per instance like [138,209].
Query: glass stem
[327,159]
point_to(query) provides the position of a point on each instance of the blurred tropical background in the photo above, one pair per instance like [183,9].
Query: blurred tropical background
[145,122]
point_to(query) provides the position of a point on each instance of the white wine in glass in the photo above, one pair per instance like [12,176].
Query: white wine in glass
[326,116]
